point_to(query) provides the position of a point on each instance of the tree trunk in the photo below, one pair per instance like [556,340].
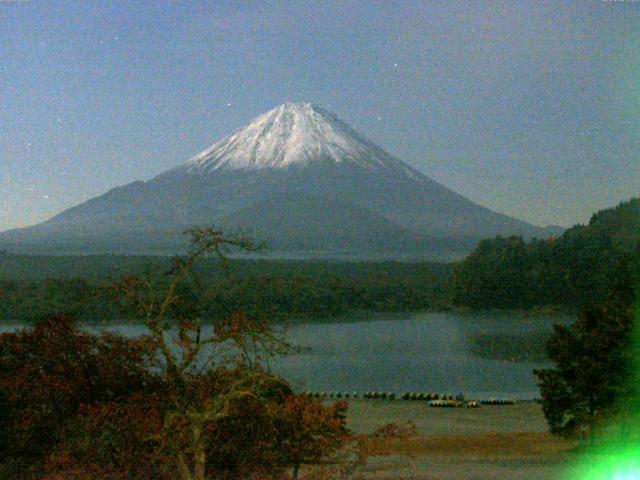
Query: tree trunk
[592,421]
[296,469]
[199,452]
[183,470]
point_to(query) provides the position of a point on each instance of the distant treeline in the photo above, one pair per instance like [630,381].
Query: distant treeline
[584,265]
[32,287]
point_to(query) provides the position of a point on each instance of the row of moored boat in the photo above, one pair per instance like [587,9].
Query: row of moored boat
[445,400]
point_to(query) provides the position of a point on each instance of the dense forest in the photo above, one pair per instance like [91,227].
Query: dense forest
[582,266]
[578,267]
[33,287]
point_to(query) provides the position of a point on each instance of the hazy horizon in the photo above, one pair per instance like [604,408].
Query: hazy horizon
[530,109]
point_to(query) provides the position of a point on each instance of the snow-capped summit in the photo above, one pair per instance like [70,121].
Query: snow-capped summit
[296,177]
[291,134]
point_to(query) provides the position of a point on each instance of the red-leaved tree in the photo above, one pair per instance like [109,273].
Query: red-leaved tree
[191,400]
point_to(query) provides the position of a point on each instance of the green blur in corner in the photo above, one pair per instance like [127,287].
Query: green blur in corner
[610,461]
[616,454]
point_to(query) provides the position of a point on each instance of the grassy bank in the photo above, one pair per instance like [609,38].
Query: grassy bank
[456,444]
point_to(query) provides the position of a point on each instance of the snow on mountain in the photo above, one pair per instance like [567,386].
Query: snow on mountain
[297,177]
[293,134]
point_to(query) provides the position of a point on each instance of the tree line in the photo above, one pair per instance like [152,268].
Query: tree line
[183,402]
[263,289]
[575,269]
[591,391]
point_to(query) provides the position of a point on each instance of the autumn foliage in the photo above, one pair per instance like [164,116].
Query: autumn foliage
[51,375]
[308,430]
[191,400]
[89,407]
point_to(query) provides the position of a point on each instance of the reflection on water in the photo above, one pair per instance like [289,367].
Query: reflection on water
[423,352]
[426,352]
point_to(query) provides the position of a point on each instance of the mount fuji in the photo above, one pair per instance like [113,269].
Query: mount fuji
[296,177]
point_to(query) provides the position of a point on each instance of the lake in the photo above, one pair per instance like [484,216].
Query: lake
[421,352]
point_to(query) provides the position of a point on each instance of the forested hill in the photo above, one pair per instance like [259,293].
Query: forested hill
[582,266]
[33,287]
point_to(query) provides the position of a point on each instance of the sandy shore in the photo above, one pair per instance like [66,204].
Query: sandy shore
[492,442]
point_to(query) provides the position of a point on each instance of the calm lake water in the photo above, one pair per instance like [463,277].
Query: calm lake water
[422,352]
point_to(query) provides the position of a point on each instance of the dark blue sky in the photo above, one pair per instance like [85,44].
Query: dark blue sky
[529,108]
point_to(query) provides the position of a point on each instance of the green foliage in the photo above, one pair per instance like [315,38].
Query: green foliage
[580,267]
[29,302]
[265,289]
[591,374]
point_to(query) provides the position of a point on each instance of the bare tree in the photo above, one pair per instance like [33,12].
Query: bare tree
[186,348]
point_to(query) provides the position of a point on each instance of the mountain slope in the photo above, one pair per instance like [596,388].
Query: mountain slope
[298,177]
[321,225]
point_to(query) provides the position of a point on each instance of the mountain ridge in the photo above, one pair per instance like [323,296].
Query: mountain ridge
[295,151]
[291,134]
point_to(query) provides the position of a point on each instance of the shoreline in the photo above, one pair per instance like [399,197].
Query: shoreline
[459,444]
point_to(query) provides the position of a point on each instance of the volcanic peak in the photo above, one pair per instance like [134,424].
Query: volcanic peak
[291,134]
